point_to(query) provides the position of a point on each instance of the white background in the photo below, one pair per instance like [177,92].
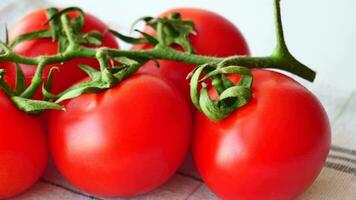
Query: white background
[320,33]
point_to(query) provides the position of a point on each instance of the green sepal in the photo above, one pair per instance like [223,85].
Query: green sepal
[93,41]
[83,88]
[31,36]
[20,84]
[230,96]
[66,10]
[234,97]
[5,50]
[3,85]
[210,107]
[92,73]
[194,84]
[152,40]
[34,106]
[174,30]
[56,27]
[78,22]
[47,95]
[6,35]
[50,77]
[53,22]
[47,86]
[92,37]
[62,44]
[128,67]
[107,77]
[128,39]
[145,19]
[228,70]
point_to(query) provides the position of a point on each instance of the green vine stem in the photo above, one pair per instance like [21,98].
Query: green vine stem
[280,59]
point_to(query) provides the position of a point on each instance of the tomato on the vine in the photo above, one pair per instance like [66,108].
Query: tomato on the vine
[69,73]
[215,36]
[124,141]
[273,148]
[23,149]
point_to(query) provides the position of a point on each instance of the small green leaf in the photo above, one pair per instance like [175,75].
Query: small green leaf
[228,70]
[62,44]
[49,81]
[152,40]
[78,23]
[6,35]
[92,73]
[34,106]
[66,10]
[230,96]
[20,84]
[83,88]
[93,41]
[128,39]
[194,81]
[54,23]
[31,36]
[126,61]
[145,19]
[209,107]
[2,73]
[5,49]
[48,96]
[235,97]
[174,30]
[92,37]
[3,85]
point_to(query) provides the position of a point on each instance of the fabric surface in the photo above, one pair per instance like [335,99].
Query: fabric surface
[337,180]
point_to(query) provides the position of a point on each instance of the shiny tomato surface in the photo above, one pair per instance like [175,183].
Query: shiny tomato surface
[272,149]
[125,141]
[23,149]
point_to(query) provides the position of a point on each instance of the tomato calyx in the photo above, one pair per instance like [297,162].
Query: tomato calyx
[231,96]
[170,30]
[106,78]
[57,32]
[28,105]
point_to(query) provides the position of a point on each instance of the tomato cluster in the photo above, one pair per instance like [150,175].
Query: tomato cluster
[132,138]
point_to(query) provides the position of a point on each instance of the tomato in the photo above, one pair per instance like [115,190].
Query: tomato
[23,149]
[216,36]
[272,149]
[125,141]
[69,73]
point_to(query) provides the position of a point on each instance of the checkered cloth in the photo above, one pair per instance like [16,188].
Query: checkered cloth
[337,180]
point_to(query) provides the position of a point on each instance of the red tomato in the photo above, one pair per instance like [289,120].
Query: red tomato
[216,36]
[125,141]
[69,71]
[272,149]
[23,149]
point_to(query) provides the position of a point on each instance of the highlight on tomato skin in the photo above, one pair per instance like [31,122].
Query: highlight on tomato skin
[23,149]
[215,36]
[69,72]
[272,148]
[124,141]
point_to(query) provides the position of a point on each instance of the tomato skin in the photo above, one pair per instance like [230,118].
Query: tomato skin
[69,73]
[124,141]
[216,36]
[23,149]
[272,149]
